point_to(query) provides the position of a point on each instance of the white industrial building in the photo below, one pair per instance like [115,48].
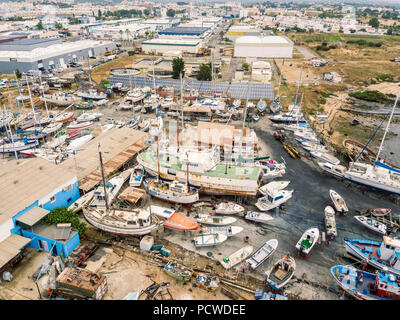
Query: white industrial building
[263,47]
[261,71]
[167,45]
[237,31]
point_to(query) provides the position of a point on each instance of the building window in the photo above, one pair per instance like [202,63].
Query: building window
[67,188]
[53,199]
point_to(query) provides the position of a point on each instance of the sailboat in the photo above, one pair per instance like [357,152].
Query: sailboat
[379,175]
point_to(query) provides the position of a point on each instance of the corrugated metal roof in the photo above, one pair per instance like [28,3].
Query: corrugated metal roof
[33,216]
[190,31]
[23,182]
[10,247]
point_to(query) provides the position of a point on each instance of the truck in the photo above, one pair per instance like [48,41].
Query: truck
[108,58]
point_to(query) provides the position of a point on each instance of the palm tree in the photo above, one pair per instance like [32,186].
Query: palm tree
[127,36]
[121,32]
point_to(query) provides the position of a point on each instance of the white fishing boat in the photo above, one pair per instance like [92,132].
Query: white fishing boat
[335,170]
[281,273]
[52,127]
[273,170]
[133,122]
[81,202]
[91,94]
[372,224]
[330,223]
[236,257]
[260,217]
[215,220]
[314,147]
[136,177]
[325,157]
[174,191]
[275,106]
[207,240]
[136,222]
[79,125]
[113,186]
[64,117]
[79,142]
[308,241]
[228,231]
[262,254]
[143,125]
[89,116]
[228,208]
[338,202]
[101,102]
[60,99]
[135,95]
[156,127]
[261,105]
[273,199]
[274,185]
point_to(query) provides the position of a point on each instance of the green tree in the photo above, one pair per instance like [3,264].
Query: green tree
[58,26]
[63,215]
[204,72]
[146,12]
[40,25]
[178,67]
[18,74]
[374,22]
[99,13]
[171,13]
[245,66]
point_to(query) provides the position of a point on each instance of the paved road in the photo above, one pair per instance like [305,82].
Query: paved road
[307,53]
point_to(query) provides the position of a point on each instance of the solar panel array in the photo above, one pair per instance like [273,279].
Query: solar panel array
[254,91]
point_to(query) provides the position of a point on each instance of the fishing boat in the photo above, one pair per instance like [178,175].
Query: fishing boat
[262,254]
[112,186]
[288,118]
[78,142]
[228,231]
[64,117]
[338,202]
[372,224]
[260,217]
[330,223]
[133,122]
[135,95]
[59,99]
[89,116]
[274,185]
[307,241]
[381,255]
[57,141]
[380,212]
[275,106]
[81,202]
[364,285]
[215,220]
[228,208]
[325,157]
[136,222]
[91,94]
[261,105]
[206,281]
[52,127]
[178,271]
[156,127]
[143,125]
[273,170]
[174,191]
[273,199]
[136,177]
[207,240]
[314,147]
[79,125]
[236,257]
[172,219]
[281,273]
[335,170]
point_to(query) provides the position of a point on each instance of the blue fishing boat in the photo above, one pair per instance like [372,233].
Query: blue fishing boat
[275,106]
[261,105]
[383,255]
[364,285]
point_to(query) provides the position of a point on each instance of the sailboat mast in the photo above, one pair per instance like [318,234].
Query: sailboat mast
[158,159]
[187,168]
[103,178]
[180,77]
[387,127]
[244,116]
[45,102]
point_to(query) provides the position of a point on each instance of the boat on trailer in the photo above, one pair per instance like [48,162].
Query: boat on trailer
[262,254]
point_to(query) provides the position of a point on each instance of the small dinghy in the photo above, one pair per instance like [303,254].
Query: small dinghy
[338,202]
[372,224]
[236,257]
[330,223]
[364,285]
[178,271]
[208,240]
[262,254]
[307,241]
[81,202]
[228,231]
[380,212]
[136,177]
[214,220]
[274,185]
[260,217]
[228,208]
[281,273]
[79,125]
[206,281]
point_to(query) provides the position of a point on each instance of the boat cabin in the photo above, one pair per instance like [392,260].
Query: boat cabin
[387,284]
[389,251]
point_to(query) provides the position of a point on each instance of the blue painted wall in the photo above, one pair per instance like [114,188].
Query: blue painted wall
[63,198]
